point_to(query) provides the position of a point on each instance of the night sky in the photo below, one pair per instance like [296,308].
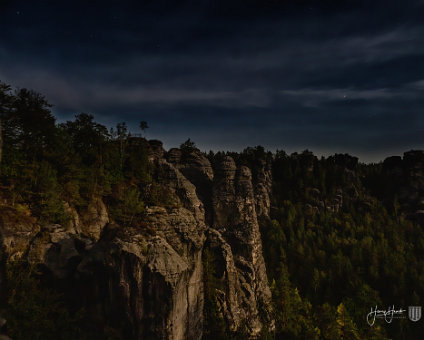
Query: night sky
[328,76]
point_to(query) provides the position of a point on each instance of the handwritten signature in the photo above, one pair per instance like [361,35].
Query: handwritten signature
[388,315]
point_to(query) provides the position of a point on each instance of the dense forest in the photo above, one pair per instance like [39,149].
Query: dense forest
[339,242]
[342,236]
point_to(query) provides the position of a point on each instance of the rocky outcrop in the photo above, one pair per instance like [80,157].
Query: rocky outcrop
[404,181]
[263,188]
[17,229]
[94,219]
[142,281]
[148,280]
[2,323]
[198,170]
[57,250]
[235,233]
[154,275]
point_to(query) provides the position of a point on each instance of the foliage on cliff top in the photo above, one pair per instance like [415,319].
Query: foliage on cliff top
[45,164]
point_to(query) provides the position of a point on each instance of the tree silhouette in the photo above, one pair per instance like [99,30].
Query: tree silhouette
[5,101]
[143,126]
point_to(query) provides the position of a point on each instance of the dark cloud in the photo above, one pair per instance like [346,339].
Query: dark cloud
[331,76]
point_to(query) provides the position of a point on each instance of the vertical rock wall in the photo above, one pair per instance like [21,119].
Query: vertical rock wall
[149,280]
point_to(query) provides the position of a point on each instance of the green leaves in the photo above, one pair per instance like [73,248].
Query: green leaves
[48,203]
[127,205]
[36,312]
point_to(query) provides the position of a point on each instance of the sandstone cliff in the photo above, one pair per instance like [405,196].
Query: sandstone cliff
[403,180]
[148,280]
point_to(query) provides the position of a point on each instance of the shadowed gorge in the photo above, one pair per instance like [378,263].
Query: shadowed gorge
[105,234]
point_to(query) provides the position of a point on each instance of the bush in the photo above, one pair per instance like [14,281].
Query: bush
[33,311]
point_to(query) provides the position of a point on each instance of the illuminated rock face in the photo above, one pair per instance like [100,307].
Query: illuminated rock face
[235,234]
[149,280]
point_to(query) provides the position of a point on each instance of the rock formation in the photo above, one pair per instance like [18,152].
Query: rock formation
[148,280]
[235,233]
[405,178]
